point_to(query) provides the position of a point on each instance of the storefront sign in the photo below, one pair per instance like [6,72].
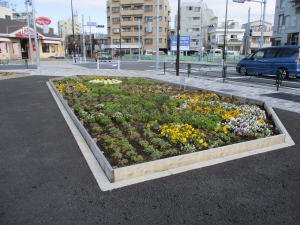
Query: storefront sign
[43,21]
[24,33]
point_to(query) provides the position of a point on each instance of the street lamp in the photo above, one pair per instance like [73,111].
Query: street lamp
[73,31]
[223,55]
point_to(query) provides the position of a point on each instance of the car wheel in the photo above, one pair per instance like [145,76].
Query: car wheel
[243,71]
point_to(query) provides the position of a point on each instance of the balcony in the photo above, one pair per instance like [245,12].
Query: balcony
[129,23]
[130,34]
[130,2]
[132,12]
[267,33]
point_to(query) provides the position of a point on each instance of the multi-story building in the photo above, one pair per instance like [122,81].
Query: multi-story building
[127,20]
[254,39]
[194,17]
[234,34]
[286,23]
[5,11]
[65,26]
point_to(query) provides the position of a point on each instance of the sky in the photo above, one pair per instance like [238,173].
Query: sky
[96,10]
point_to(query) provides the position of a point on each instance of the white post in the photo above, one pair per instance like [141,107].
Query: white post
[83,40]
[118,64]
[157,35]
[35,38]
[139,42]
[263,25]
[98,64]
[29,34]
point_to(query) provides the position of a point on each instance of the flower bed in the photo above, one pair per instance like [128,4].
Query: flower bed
[136,120]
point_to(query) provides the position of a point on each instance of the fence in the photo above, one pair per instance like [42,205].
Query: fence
[229,73]
[14,61]
[183,58]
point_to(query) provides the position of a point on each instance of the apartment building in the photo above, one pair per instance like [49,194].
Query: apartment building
[286,23]
[5,11]
[195,16]
[65,27]
[254,39]
[127,20]
[234,34]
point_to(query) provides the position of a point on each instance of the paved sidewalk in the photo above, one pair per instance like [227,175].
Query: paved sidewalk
[44,178]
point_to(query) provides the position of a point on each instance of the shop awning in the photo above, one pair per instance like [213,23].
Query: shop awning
[4,39]
[51,42]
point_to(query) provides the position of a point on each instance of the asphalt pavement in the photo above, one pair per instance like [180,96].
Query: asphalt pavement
[44,178]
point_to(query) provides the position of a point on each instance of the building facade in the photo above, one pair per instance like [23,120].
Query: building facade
[195,16]
[254,39]
[5,11]
[127,21]
[14,41]
[65,26]
[286,23]
[234,34]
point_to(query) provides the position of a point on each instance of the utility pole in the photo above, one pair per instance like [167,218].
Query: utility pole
[35,38]
[83,40]
[91,47]
[157,36]
[178,40]
[139,42]
[29,34]
[201,34]
[247,33]
[73,32]
[263,25]
[223,55]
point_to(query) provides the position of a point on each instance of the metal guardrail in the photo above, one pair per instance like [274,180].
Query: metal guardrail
[229,73]
[165,58]
[14,61]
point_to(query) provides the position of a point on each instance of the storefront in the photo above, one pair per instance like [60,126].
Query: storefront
[14,42]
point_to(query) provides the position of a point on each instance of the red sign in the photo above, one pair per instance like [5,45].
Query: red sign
[43,20]
[33,47]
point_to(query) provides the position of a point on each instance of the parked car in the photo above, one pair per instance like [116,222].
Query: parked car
[198,54]
[271,59]
[102,56]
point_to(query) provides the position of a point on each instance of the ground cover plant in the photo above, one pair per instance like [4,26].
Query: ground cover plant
[137,120]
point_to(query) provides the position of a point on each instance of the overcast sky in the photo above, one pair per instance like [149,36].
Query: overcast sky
[96,9]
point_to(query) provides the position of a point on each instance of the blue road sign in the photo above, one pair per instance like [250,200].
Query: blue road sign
[184,44]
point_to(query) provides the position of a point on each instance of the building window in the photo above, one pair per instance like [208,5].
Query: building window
[126,8]
[116,20]
[148,18]
[196,9]
[126,29]
[148,40]
[282,3]
[287,20]
[160,29]
[116,30]
[127,40]
[160,40]
[293,22]
[126,19]
[196,18]
[148,7]
[160,6]
[115,9]
[160,18]
[189,8]
[188,18]
[280,24]
[7,17]
[297,10]
[116,40]
[45,47]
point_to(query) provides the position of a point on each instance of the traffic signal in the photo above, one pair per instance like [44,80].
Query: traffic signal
[37,35]
[210,26]
[250,32]
[100,26]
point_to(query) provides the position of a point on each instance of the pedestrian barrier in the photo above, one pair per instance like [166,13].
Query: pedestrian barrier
[14,61]
[225,73]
